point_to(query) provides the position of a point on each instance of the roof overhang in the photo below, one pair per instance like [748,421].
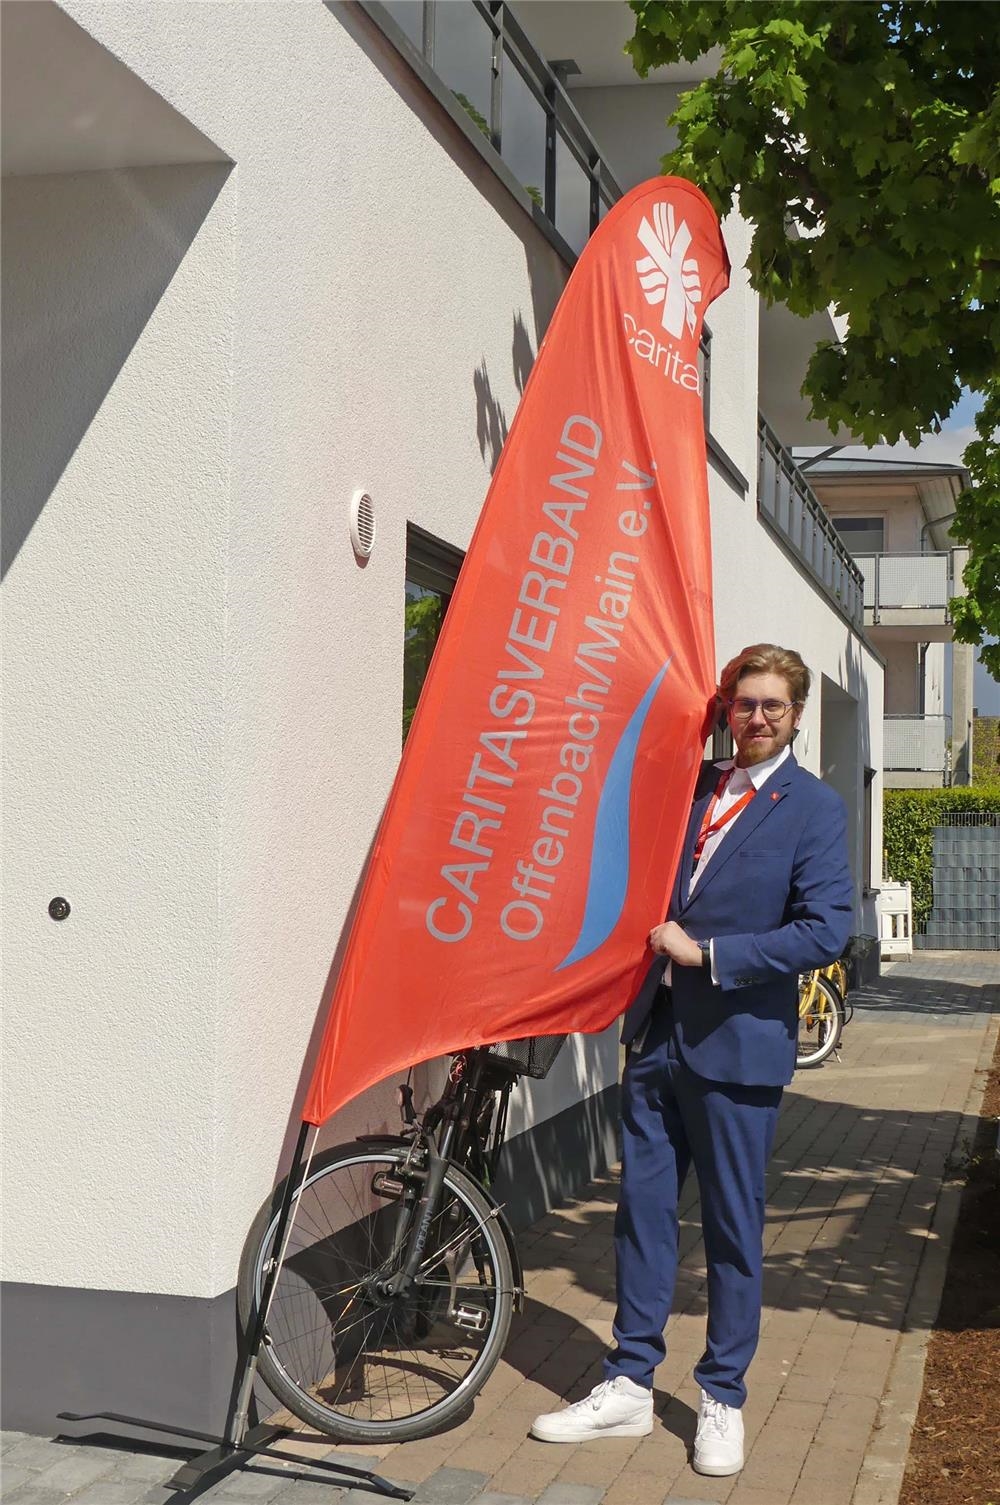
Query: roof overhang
[69,105]
[593,34]
[785,347]
[935,487]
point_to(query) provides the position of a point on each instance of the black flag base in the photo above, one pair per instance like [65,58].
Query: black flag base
[224,1456]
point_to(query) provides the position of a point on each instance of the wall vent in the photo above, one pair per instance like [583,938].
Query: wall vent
[362,524]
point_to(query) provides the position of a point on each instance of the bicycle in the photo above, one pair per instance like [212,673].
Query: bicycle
[400,1274]
[822,998]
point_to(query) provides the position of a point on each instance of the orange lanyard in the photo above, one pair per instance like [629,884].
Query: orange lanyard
[712,828]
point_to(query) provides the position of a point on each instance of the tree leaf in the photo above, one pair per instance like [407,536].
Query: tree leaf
[877,125]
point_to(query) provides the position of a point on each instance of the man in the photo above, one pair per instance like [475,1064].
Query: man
[763,892]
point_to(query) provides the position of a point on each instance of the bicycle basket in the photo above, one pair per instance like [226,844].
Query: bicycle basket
[532,1057]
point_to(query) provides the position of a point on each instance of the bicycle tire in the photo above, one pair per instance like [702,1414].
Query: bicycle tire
[820,1028]
[349,1380]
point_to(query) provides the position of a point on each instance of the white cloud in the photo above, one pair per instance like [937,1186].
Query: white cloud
[945,448]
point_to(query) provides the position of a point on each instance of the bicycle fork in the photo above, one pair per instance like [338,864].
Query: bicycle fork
[427,1204]
[463,1314]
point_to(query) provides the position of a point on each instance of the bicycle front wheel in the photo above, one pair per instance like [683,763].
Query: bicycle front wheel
[820,1024]
[342,1356]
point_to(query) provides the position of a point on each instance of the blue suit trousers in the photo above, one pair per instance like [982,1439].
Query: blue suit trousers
[672,1118]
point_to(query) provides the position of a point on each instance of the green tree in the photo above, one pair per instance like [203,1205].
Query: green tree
[863,142]
[422,619]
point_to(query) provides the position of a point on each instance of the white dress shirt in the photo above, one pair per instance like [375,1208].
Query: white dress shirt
[736,787]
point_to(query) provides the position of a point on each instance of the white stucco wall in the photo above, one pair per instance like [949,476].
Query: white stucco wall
[900,677]
[629,123]
[904,523]
[899,508]
[204,719]
[934,678]
[118,357]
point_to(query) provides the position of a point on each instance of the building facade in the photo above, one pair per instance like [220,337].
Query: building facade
[895,516]
[256,259]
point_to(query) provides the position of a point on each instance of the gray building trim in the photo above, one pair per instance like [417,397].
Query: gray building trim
[172,1358]
[727,467]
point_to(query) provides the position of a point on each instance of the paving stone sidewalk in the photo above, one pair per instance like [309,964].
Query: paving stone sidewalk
[861,1209]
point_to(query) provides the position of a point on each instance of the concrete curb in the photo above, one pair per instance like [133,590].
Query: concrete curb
[881,1476]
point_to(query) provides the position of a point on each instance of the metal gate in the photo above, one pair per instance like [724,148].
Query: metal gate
[966,912]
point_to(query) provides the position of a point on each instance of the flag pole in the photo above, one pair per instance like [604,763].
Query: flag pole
[237,1429]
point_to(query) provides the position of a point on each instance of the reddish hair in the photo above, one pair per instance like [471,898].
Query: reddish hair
[767,658]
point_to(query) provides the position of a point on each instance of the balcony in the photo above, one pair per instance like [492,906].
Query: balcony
[909,591]
[513,107]
[917,751]
[483,67]
[787,503]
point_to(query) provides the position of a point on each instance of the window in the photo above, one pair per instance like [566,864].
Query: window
[431,572]
[861,535]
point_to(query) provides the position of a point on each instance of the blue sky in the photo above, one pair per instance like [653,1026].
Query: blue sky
[963,413]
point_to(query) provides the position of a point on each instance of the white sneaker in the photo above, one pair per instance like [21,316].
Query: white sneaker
[614,1408]
[718,1443]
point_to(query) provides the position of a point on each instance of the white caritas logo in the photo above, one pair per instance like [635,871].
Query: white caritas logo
[668,275]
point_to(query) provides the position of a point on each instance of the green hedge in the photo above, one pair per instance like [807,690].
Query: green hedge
[909,818]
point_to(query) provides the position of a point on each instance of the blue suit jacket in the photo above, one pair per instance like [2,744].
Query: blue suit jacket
[776,898]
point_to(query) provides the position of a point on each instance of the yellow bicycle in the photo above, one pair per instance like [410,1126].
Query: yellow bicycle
[822,995]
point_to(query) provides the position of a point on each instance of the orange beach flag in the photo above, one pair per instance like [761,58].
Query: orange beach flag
[532,833]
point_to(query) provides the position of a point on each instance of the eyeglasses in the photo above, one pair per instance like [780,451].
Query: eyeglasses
[742,708]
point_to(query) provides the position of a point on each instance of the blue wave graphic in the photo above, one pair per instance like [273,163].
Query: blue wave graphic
[608,883]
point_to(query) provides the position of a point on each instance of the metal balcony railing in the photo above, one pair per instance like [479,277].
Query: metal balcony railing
[517,101]
[787,501]
[907,582]
[917,744]
[485,69]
